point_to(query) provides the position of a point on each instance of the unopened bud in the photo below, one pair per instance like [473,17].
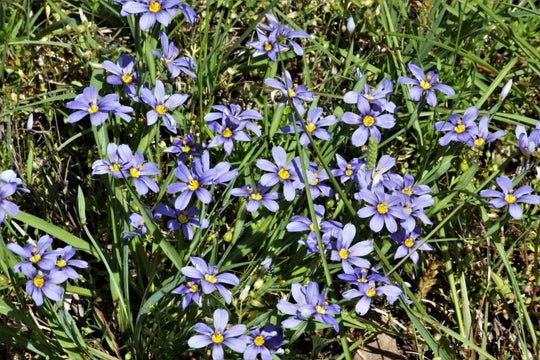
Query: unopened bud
[350,25]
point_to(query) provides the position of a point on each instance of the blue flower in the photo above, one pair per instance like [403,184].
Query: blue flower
[369,96]
[312,125]
[183,147]
[35,254]
[64,262]
[257,196]
[87,103]
[461,129]
[291,90]
[118,163]
[6,206]
[161,105]
[191,291]
[370,120]
[210,278]
[152,11]
[123,74]
[481,137]
[383,209]
[425,83]
[511,197]
[367,290]
[236,115]
[347,169]
[232,337]
[407,241]
[309,302]
[529,145]
[183,219]
[284,32]
[9,176]
[44,284]
[227,132]
[351,255]
[315,179]
[280,171]
[267,45]
[171,60]
[139,170]
[264,342]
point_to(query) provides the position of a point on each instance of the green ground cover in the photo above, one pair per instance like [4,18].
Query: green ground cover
[441,264]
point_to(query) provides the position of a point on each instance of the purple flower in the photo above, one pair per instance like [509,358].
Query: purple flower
[511,197]
[369,121]
[415,208]
[505,90]
[481,137]
[291,90]
[161,105]
[347,169]
[136,221]
[171,60]
[139,170]
[309,302]
[184,219]
[6,206]
[183,147]
[41,283]
[351,255]
[227,132]
[362,275]
[189,13]
[312,125]
[219,336]
[384,210]
[35,254]
[123,74]
[299,223]
[192,291]
[267,45]
[236,115]
[457,128]
[265,342]
[210,278]
[367,290]
[152,11]
[284,32]
[425,83]
[191,182]
[257,196]
[64,263]
[407,241]
[315,179]
[529,145]
[10,177]
[281,171]
[376,97]
[118,163]
[378,177]
[87,103]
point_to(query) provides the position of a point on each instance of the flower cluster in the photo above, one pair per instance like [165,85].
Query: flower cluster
[46,268]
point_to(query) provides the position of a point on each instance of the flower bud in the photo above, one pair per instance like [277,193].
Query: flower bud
[350,25]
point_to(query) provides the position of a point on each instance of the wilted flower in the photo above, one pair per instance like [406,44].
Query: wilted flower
[511,197]
[309,302]
[425,83]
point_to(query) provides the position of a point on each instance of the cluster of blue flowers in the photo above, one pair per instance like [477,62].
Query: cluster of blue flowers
[46,269]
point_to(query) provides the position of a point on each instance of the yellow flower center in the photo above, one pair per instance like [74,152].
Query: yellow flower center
[425,85]
[284,173]
[348,172]
[256,196]
[154,6]
[227,133]
[316,181]
[480,141]
[193,287]
[310,127]
[182,219]
[362,280]
[382,208]
[210,278]
[259,341]
[267,46]
[407,190]
[368,120]
[510,198]
[38,281]
[93,109]
[135,172]
[368,96]
[186,149]
[409,242]
[460,127]
[193,184]
[161,109]
[344,254]
[320,309]
[291,93]
[61,263]
[127,78]
[35,258]
[217,337]
[114,167]
[141,223]
[371,292]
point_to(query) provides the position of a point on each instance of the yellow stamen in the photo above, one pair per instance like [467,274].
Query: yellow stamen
[409,242]
[320,309]
[371,292]
[186,149]
[61,263]
[382,208]
[193,184]
[182,219]
[227,133]
[259,341]
[154,6]
[35,258]
[134,172]
[193,288]
[217,337]
[480,141]
[310,127]
[210,278]
[93,109]
[267,46]
[161,109]
[368,120]
[368,96]
[407,190]
[425,85]
[38,281]
[256,196]
[510,198]
[284,173]
[344,254]
[115,167]
[127,78]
